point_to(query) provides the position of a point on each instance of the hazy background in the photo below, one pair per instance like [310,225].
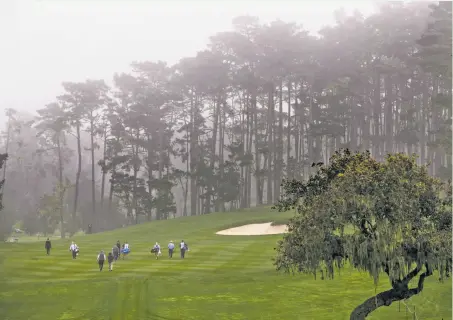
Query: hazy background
[46,42]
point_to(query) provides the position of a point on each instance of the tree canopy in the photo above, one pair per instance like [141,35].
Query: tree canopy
[387,217]
[220,130]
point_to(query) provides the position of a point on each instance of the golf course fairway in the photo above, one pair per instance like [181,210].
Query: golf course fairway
[222,277]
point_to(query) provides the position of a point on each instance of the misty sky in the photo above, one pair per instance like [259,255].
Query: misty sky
[46,42]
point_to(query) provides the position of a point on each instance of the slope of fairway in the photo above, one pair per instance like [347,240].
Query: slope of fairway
[222,277]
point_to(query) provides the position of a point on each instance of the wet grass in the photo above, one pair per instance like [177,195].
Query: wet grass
[222,277]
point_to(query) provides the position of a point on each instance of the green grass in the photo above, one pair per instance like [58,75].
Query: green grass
[222,277]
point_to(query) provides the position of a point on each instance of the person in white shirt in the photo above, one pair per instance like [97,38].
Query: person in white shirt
[156,250]
[126,249]
[183,248]
[74,250]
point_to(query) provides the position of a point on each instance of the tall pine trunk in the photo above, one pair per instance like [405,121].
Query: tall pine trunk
[210,186]
[388,115]
[150,173]
[249,154]
[93,185]
[258,193]
[222,122]
[288,135]
[279,154]
[193,156]
[376,114]
[61,188]
[103,167]
[161,165]
[112,179]
[77,182]
[136,168]
[270,133]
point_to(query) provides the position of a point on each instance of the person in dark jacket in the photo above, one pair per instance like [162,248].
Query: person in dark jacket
[110,260]
[48,246]
[118,245]
[101,259]
[116,253]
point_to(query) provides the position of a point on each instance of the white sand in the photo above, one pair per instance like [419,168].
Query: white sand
[257,229]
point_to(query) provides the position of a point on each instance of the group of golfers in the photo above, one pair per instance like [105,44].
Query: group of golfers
[119,249]
[183,247]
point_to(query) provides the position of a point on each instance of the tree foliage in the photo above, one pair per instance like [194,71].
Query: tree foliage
[220,130]
[387,217]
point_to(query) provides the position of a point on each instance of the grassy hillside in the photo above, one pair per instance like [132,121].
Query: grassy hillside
[222,277]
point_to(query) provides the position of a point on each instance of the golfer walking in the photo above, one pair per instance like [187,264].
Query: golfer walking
[101,259]
[171,247]
[74,249]
[48,246]
[110,259]
[183,248]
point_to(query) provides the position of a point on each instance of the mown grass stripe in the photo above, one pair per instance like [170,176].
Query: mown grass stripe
[223,277]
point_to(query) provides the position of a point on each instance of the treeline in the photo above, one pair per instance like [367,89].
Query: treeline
[221,130]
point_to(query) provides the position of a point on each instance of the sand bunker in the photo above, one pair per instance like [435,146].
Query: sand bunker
[257,229]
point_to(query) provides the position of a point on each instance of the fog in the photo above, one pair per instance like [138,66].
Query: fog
[261,118]
[47,42]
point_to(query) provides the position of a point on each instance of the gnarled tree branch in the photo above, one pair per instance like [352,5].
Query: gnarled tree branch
[400,291]
[411,274]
